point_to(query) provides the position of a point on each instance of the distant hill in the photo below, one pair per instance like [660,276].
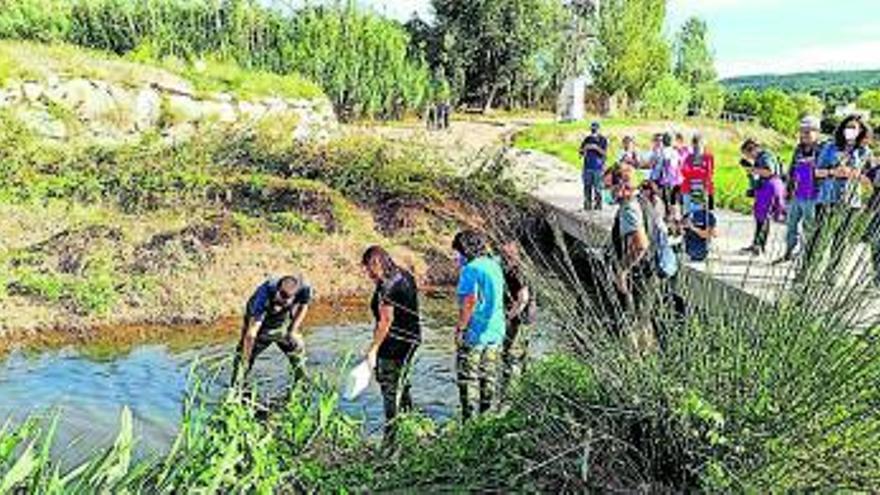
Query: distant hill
[808,82]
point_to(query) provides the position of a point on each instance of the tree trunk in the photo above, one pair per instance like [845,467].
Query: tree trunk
[487,106]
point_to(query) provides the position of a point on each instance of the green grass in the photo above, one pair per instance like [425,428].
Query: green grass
[563,141]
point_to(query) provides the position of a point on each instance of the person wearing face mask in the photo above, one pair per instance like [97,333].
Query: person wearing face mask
[841,173]
[802,188]
[480,330]
[397,332]
[698,174]
[274,315]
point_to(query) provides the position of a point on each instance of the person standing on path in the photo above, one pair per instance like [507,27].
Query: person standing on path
[397,332]
[768,190]
[594,150]
[842,172]
[698,173]
[274,315]
[480,330]
[520,309]
[802,189]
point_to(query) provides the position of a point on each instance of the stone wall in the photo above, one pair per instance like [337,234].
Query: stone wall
[65,109]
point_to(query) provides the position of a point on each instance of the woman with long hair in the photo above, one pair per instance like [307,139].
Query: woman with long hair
[397,332]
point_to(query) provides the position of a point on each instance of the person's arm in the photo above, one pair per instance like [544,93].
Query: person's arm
[602,148]
[465,312]
[249,331]
[380,332]
[522,300]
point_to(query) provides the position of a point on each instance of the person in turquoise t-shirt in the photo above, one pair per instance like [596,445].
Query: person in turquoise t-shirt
[481,323]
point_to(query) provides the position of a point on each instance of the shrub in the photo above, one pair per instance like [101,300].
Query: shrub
[668,99]
[708,99]
[778,111]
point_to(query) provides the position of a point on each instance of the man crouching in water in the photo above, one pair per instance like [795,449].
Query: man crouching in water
[274,314]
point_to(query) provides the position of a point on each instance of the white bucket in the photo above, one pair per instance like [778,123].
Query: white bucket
[357,381]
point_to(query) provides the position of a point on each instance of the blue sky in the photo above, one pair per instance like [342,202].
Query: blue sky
[761,36]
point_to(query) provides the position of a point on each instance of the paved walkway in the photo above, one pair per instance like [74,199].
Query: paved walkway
[556,185]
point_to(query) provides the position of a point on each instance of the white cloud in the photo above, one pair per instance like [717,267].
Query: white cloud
[845,56]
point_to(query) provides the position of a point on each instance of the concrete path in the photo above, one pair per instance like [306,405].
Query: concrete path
[558,186]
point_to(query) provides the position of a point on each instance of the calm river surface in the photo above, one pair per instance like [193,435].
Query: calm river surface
[90,388]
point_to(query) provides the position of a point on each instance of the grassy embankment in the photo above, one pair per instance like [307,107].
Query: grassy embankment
[563,141]
[94,235]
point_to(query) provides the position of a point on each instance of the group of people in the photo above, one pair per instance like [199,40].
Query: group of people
[679,182]
[496,308]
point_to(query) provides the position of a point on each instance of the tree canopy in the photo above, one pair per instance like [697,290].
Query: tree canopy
[694,63]
[633,53]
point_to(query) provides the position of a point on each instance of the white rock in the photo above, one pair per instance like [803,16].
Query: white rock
[147,109]
[32,91]
[219,112]
[251,111]
[43,123]
[184,109]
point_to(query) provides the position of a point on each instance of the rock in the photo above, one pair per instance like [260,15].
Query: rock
[184,109]
[251,111]
[219,112]
[32,91]
[222,97]
[147,109]
[43,123]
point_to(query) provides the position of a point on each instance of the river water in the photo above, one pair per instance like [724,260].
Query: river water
[89,387]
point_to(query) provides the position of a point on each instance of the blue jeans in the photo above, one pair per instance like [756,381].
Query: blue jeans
[801,217]
[592,189]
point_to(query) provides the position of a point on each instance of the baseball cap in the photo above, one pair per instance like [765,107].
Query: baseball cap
[811,123]
[594,125]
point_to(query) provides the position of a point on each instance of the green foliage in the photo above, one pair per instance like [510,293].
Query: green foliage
[746,102]
[694,64]
[708,99]
[833,87]
[870,100]
[807,104]
[668,98]
[499,49]
[633,54]
[778,111]
[295,223]
[361,60]
[41,20]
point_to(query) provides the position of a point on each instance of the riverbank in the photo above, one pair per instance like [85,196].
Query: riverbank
[147,233]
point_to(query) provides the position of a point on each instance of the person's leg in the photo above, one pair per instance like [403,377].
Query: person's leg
[712,202]
[295,351]
[488,373]
[792,226]
[588,189]
[467,368]
[388,372]
[513,354]
[597,189]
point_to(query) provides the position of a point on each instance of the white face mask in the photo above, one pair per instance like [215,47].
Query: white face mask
[850,134]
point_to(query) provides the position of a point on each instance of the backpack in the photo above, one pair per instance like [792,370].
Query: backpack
[665,261]
[662,260]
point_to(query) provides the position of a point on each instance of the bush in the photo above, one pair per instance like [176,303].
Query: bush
[778,111]
[668,99]
[708,99]
[807,104]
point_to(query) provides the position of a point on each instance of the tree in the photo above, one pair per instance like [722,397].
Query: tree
[708,99]
[870,100]
[778,111]
[498,48]
[747,102]
[668,98]
[694,63]
[807,104]
[632,54]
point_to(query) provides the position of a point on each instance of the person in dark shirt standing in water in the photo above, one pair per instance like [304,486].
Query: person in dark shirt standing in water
[519,308]
[397,334]
[594,149]
[274,314]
